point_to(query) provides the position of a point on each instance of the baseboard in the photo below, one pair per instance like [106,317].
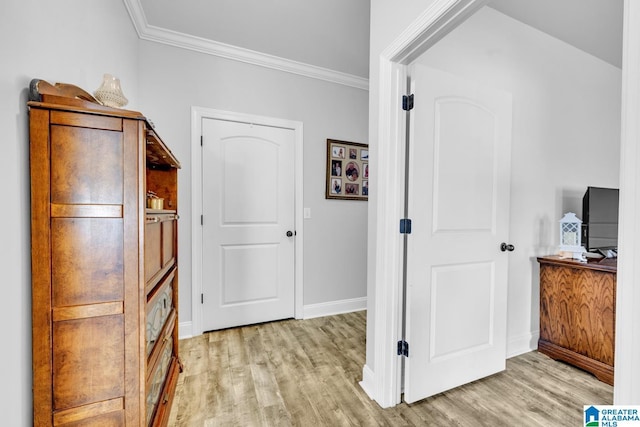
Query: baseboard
[522,344]
[368,382]
[185,330]
[334,307]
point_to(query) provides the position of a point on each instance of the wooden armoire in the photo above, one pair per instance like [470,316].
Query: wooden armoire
[104,266]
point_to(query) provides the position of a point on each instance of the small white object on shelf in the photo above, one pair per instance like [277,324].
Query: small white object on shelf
[110,93]
[571,238]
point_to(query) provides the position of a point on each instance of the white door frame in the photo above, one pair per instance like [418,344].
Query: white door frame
[383,380]
[197,115]
[626,389]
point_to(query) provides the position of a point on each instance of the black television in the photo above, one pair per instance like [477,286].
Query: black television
[600,219]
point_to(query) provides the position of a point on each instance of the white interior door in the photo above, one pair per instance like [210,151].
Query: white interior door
[459,205]
[248,211]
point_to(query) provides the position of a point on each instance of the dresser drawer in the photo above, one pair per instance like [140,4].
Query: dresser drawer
[160,307]
[158,372]
[159,246]
[163,407]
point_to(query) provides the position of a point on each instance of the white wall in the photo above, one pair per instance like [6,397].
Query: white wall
[566,136]
[69,41]
[335,241]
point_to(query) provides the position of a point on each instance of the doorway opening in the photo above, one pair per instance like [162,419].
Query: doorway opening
[393,69]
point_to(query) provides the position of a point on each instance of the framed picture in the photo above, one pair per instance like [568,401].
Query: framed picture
[347,170]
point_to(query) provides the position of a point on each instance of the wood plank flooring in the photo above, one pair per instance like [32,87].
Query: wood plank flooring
[306,373]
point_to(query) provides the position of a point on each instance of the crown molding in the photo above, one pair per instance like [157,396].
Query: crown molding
[210,47]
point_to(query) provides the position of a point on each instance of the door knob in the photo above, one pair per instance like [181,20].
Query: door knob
[289,233]
[505,247]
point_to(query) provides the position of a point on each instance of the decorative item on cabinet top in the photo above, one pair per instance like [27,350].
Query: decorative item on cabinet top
[110,92]
[159,156]
[571,238]
[73,96]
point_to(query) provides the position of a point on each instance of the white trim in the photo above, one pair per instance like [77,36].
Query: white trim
[522,344]
[436,21]
[626,389]
[368,381]
[185,330]
[334,307]
[197,115]
[210,47]
[387,381]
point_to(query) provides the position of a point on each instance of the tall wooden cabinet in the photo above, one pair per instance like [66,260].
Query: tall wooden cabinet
[104,266]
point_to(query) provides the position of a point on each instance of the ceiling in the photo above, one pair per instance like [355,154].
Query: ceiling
[334,34]
[594,26]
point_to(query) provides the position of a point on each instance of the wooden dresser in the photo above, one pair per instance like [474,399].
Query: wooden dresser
[104,267]
[577,313]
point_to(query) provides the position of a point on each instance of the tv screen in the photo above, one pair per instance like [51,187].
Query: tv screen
[600,218]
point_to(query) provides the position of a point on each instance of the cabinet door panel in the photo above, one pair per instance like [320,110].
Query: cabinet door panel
[87,260]
[86,166]
[152,249]
[104,414]
[168,233]
[88,365]
[114,419]
[556,305]
[594,318]
[159,244]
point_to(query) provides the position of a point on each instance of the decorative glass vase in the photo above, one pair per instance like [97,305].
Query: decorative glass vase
[110,93]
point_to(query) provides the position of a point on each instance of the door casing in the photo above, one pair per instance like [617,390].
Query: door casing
[197,116]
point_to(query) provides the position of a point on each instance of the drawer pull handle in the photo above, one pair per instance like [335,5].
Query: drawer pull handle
[159,219]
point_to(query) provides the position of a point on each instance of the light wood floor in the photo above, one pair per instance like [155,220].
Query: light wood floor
[306,373]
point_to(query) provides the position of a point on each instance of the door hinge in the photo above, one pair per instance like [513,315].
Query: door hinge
[407,102]
[403,348]
[405,226]
[201,140]
[201,219]
[201,298]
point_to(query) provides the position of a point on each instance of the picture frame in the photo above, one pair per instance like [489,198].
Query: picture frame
[347,170]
